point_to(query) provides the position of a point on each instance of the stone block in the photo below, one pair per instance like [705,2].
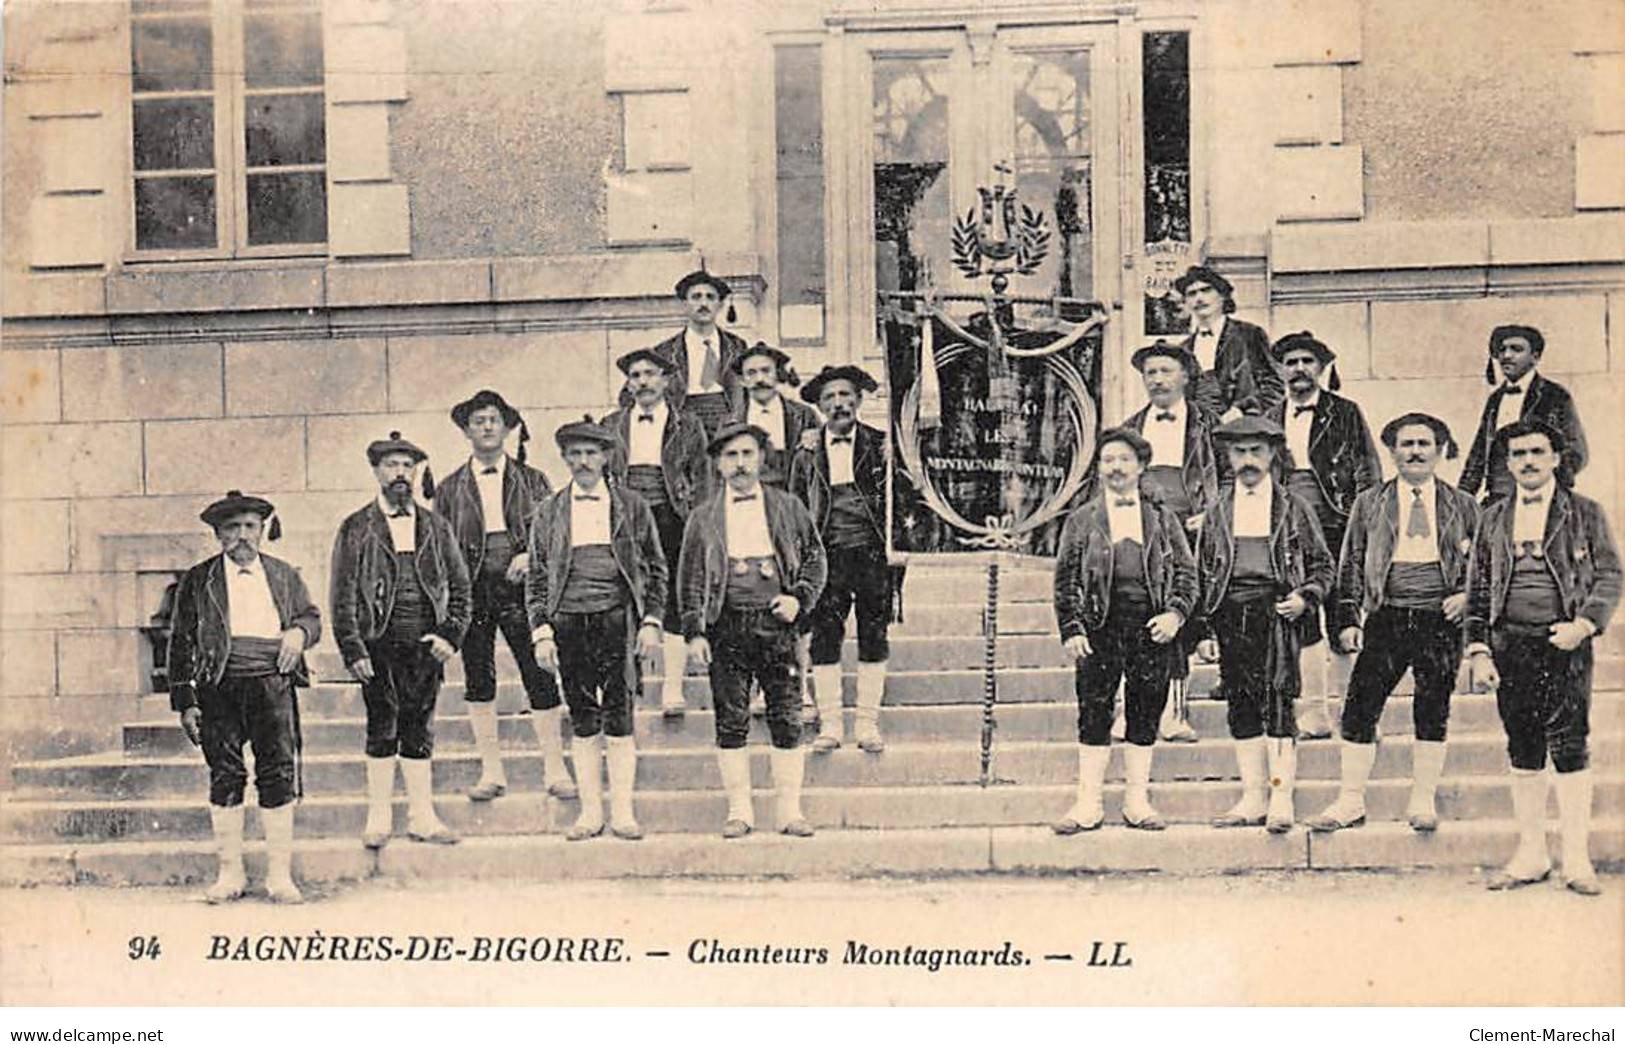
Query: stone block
[1599,172]
[365,63]
[650,51]
[64,146]
[1616,332]
[360,12]
[168,290]
[369,219]
[136,383]
[1309,105]
[358,142]
[30,386]
[101,662]
[649,207]
[130,533]
[1450,338]
[46,461]
[1582,239]
[1599,27]
[27,664]
[267,455]
[338,446]
[52,601]
[1606,73]
[1323,183]
[655,130]
[1336,248]
[68,231]
[408,283]
[600,275]
[305,377]
[30,293]
[564,368]
[1343,325]
[34,536]
[1313,32]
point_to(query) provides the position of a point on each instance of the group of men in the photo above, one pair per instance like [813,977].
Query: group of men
[710,520]
[1243,512]
[713,521]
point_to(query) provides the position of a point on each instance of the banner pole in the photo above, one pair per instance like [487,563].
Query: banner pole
[990,680]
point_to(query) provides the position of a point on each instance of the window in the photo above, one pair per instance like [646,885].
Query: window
[228,127]
[1166,83]
[799,134]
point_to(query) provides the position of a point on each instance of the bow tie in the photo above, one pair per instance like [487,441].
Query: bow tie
[1511,389]
[1298,411]
[742,499]
[402,513]
[1124,502]
[588,496]
[1203,333]
[1166,415]
[488,471]
[244,571]
[1536,499]
[838,440]
[646,417]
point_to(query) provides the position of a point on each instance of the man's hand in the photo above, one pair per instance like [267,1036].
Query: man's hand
[786,607]
[699,651]
[1194,523]
[1569,634]
[1164,627]
[1353,639]
[192,725]
[1481,674]
[439,648]
[293,643]
[517,567]
[1292,606]
[1078,647]
[1455,607]
[1208,650]
[648,644]
[547,654]
[361,670]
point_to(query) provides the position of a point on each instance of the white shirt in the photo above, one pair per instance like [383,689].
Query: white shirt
[250,609]
[403,531]
[1297,428]
[1123,520]
[646,436]
[745,518]
[1252,509]
[1206,345]
[1529,520]
[769,418]
[840,455]
[694,344]
[1511,407]
[589,515]
[490,487]
[1167,437]
[1417,549]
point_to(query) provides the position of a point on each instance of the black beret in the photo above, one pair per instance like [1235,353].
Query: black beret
[1441,431]
[584,430]
[760,348]
[1177,352]
[624,363]
[861,380]
[1537,343]
[1203,274]
[698,278]
[479,401]
[1250,427]
[233,504]
[732,430]
[1132,438]
[1531,426]
[378,449]
[1302,341]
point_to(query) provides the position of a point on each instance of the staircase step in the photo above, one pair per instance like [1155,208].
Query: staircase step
[830,854]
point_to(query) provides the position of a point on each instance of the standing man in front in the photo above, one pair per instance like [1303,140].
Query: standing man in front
[596,578]
[242,623]
[704,380]
[488,502]
[1262,565]
[1545,581]
[1401,600]
[843,483]
[659,454]
[401,606]
[751,567]
[1233,356]
[1333,460]
[1523,394]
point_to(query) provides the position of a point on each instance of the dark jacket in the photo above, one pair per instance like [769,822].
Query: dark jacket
[1202,469]
[1579,549]
[1299,560]
[1083,569]
[1341,452]
[809,478]
[729,347]
[1373,531]
[684,463]
[702,568]
[633,540]
[363,580]
[457,500]
[201,637]
[1543,399]
[1243,374]
[798,418]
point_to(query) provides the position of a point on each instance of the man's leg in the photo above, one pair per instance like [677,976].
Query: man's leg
[274,733]
[542,692]
[383,747]
[575,635]
[872,593]
[223,736]
[730,696]
[1520,700]
[618,671]
[1094,681]
[1381,663]
[1243,646]
[480,689]
[1145,694]
[1435,665]
[674,650]
[417,677]
[778,676]
[828,634]
[1568,728]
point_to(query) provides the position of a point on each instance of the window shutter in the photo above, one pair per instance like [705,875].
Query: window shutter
[368,210]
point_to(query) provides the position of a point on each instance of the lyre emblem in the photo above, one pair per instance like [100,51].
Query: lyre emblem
[997,237]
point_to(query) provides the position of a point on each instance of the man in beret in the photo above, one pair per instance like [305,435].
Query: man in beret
[1401,600]
[489,501]
[242,623]
[842,481]
[659,454]
[1523,394]
[1262,566]
[1184,470]
[596,579]
[401,606]
[704,380]
[1544,582]
[751,567]
[1232,356]
[1333,460]
[764,372]
[1125,583]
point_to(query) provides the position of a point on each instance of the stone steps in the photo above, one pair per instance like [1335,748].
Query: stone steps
[1183,849]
